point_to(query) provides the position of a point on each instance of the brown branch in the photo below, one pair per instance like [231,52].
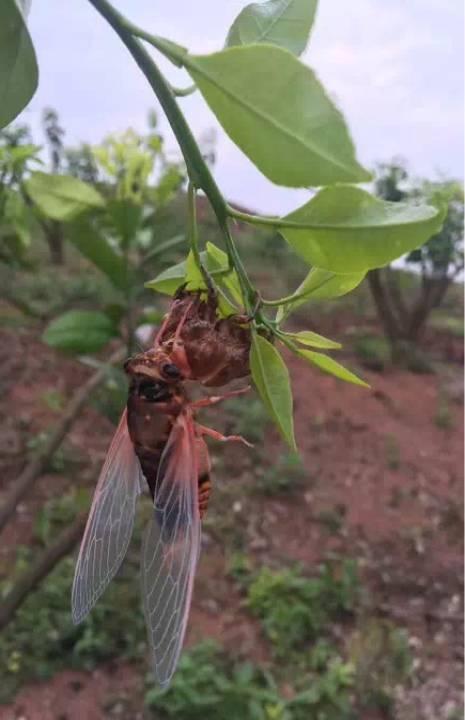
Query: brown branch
[29,579]
[38,464]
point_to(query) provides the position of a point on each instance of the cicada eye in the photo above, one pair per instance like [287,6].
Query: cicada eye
[171,371]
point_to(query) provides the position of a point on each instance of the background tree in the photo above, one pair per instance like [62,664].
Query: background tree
[438,262]
[54,134]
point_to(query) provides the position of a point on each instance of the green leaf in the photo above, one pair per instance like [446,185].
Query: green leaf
[214,259]
[168,281]
[126,217]
[80,331]
[354,231]
[286,23]
[18,214]
[274,108]
[194,277]
[271,377]
[328,365]
[218,260]
[62,197]
[313,339]
[96,248]
[18,65]
[320,285]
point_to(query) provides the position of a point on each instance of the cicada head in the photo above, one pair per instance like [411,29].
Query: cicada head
[156,364]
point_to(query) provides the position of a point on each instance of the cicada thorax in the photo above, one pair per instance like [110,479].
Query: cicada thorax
[216,350]
[156,398]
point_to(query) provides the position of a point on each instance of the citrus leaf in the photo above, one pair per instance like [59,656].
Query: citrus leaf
[328,365]
[194,277]
[274,108]
[62,197]
[286,23]
[218,260]
[214,259]
[271,377]
[320,285]
[353,231]
[126,217]
[96,248]
[168,281]
[313,339]
[19,74]
[80,331]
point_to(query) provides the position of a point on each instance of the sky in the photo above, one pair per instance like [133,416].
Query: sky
[394,68]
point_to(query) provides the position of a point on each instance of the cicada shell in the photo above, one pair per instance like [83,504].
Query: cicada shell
[212,350]
[158,445]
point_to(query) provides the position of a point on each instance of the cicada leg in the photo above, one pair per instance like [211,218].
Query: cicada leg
[203,430]
[214,399]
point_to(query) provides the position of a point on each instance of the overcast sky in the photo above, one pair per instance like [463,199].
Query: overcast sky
[395,68]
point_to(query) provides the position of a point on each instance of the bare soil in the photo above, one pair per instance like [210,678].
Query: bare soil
[383,484]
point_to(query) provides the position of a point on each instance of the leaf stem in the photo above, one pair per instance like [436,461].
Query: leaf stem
[295,296]
[198,171]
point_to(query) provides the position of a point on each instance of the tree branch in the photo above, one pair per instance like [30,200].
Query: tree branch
[385,313]
[38,464]
[32,577]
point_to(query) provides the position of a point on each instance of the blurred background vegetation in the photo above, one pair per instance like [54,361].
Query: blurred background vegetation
[319,643]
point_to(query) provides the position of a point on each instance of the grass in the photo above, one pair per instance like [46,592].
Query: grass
[209,685]
[285,475]
[382,659]
[42,638]
[294,609]
[373,352]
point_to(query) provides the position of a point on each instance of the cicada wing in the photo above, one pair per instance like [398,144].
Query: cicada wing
[171,549]
[110,523]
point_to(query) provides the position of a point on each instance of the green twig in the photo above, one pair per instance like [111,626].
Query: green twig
[199,173]
[194,237]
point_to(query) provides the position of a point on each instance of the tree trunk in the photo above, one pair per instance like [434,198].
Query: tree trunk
[432,294]
[54,236]
[386,315]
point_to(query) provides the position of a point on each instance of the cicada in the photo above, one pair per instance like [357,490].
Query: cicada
[158,445]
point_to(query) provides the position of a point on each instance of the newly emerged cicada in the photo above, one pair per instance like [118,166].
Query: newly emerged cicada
[159,445]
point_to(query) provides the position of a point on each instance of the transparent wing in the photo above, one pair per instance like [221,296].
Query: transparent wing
[171,549]
[110,523]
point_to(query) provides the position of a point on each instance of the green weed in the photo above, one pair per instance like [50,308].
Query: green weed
[54,400]
[42,638]
[382,659]
[63,459]
[373,352]
[210,686]
[285,475]
[57,513]
[295,609]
